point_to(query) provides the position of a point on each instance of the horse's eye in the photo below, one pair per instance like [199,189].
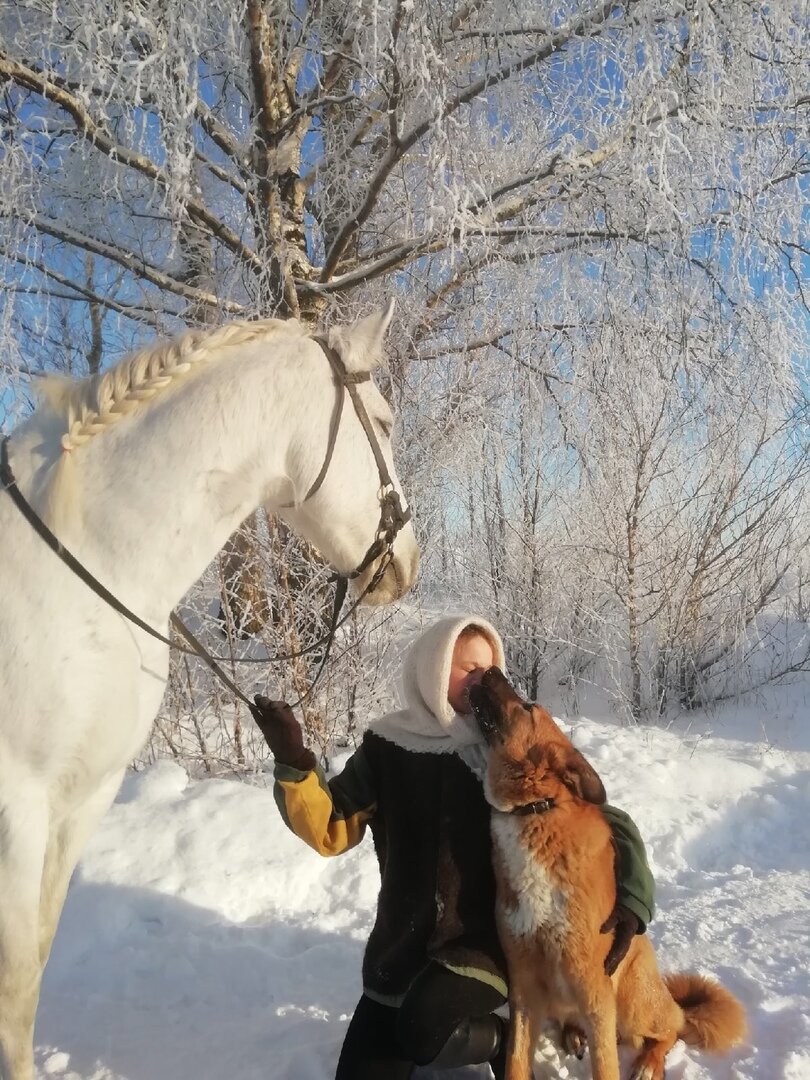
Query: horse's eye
[386,427]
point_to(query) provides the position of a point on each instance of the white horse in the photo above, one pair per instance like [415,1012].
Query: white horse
[143,473]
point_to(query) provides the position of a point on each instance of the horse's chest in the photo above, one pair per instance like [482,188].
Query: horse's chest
[532,901]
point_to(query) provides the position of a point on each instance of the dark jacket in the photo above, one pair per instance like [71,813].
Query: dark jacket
[430,824]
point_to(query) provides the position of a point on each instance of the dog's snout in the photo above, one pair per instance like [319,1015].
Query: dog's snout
[493,679]
[496,683]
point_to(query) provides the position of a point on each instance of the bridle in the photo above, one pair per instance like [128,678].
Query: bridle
[392,519]
[392,516]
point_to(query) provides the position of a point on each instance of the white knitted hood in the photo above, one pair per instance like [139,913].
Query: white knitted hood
[429,723]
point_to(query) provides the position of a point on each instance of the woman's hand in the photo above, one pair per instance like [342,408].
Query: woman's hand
[626,925]
[282,733]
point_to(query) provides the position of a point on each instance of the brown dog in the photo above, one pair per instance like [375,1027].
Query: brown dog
[554,863]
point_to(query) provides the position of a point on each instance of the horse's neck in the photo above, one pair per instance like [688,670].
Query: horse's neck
[159,494]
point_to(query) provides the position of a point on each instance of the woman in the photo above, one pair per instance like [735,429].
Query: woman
[433,970]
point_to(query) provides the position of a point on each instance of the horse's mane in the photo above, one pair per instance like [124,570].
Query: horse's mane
[91,405]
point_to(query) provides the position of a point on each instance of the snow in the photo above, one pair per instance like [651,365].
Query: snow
[201,939]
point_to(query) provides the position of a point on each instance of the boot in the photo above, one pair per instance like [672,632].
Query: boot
[498,1061]
[474,1041]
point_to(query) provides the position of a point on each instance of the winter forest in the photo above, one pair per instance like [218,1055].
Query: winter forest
[594,222]
[594,219]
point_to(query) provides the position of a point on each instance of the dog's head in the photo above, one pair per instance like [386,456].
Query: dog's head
[530,759]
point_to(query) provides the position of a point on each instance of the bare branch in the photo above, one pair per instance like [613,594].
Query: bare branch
[93,133]
[554,43]
[81,293]
[133,263]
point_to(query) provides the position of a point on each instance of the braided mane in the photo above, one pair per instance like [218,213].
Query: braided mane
[90,406]
[96,403]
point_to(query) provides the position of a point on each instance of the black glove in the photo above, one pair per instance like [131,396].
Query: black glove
[626,925]
[282,733]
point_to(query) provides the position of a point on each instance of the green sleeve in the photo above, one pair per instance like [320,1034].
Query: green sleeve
[635,888]
[355,789]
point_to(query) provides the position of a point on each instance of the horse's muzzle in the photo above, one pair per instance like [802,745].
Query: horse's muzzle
[398,577]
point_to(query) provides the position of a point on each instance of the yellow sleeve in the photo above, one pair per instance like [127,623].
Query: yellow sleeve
[329,816]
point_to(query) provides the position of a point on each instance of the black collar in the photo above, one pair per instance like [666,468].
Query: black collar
[541,806]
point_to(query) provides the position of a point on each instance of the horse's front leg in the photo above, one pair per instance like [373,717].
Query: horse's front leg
[66,842]
[23,837]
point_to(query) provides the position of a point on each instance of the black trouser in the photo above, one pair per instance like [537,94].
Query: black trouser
[444,1015]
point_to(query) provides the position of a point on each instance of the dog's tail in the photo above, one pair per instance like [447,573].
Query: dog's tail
[713,1018]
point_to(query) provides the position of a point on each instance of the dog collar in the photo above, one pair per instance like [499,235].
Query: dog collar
[541,806]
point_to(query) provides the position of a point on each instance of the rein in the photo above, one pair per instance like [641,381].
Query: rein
[392,519]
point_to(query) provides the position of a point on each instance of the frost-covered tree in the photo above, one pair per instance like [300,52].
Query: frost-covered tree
[516,174]
[257,157]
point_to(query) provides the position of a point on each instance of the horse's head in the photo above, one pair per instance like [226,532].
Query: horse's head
[343,517]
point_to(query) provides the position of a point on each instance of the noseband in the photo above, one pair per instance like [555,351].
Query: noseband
[392,519]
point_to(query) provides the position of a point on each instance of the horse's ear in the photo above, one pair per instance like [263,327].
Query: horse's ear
[387,314]
[54,392]
[360,345]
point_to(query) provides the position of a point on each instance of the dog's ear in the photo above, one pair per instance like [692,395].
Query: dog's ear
[581,778]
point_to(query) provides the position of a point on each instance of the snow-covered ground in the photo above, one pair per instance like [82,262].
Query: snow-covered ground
[201,940]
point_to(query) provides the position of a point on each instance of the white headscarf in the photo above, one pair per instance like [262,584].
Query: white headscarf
[429,723]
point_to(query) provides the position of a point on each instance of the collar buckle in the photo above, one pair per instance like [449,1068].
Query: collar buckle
[539,806]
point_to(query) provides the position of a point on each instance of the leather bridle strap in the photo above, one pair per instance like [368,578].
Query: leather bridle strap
[392,516]
[349,380]
[346,379]
[9,485]
[197,649]
[38,525]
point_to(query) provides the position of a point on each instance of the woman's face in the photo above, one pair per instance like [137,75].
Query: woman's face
[471,658]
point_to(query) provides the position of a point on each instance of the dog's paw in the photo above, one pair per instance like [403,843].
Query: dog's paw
[574,1041]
